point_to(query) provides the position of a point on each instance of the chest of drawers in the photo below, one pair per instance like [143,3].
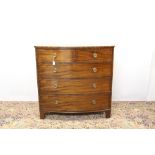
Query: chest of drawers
[74,79]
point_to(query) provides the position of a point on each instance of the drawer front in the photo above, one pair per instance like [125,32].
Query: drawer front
[76,86]
[48,56]
[103,55]
[75,103]
[93,70]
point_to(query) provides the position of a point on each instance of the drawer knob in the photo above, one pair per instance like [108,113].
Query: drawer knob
[56,102]
[54,70]
[94,85]
[55,85]
[53,58]
[93,102]
[95,55]
[94,69]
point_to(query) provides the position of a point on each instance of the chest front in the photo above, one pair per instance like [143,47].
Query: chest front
[74,79]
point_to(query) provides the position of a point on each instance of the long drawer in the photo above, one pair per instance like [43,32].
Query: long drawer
[75,86]
[78,70]
[81,55]
[75,103]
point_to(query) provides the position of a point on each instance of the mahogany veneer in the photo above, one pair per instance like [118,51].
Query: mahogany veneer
[74,79]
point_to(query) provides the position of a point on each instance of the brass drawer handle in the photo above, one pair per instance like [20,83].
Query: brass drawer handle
[94,55]
[94,85]
[93,102]
[55,84]
[53,58]
[54,70]
[94,69]
[56,102]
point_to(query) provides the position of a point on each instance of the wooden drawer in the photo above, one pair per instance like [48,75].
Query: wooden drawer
[47,56]
[72,55]
[75,86]
[75,103]
[93,70]
[102,55]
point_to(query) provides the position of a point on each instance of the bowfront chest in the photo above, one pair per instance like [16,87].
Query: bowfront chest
[74,79]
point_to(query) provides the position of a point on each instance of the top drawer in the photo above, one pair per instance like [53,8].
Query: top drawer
[104,54]
[95,55]
[49,55]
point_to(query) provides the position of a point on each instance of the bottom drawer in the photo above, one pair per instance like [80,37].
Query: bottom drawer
[75,103]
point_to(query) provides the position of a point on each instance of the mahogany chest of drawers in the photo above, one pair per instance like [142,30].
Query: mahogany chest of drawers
[74,79]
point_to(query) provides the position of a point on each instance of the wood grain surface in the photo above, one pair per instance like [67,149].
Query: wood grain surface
[75,70]
[102,55]
[75,103]
[74,79]
[75,86]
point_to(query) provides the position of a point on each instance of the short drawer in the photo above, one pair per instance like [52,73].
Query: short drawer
[50,56]
[75,103]
[95,55]
[79,70]
[75,86]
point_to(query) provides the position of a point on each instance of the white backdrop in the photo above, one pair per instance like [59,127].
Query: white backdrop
[127,24]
